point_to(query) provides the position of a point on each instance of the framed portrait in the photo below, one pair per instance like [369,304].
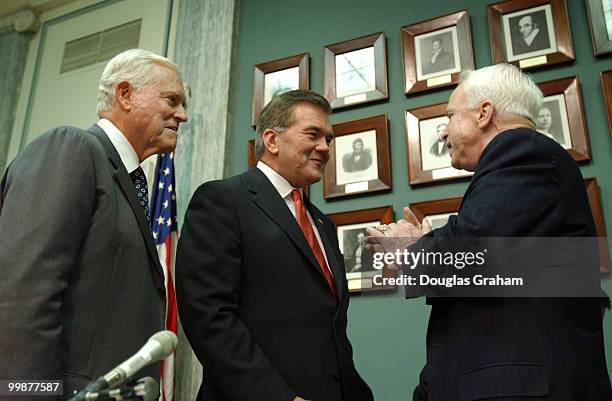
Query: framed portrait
[351,229]
[606,85]
[428,156]
[251,158]
[437,211]
[530,33]
[359,158]
[434,52]
[600,21]
[561,117]
[356,71]
[275,77]
[595,203]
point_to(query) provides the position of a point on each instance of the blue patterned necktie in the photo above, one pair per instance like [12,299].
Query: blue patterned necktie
[140,182]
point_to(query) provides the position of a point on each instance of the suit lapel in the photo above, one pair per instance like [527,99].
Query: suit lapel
[330,249]
[267,199]
[126,185]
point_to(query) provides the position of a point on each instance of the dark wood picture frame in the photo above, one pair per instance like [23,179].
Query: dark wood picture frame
[595,202]
[602,44]
[380,91]
[606,86]
[416,173]
[259,73]
[461,21]
[382,214]
[570,88]
[251,158]
[438,206]
[561,32]
[332,188]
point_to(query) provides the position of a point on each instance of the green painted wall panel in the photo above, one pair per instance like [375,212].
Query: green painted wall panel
[388,332]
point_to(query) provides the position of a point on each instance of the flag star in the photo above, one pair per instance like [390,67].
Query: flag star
[161,185]
[165,203]
[160,220]
[169,222]
[170,188]
[155,235]
[172,155]
[173,197]
[166,171]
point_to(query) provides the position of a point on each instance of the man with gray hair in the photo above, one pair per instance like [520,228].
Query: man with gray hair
[260,281]
[82,287]
[524,185]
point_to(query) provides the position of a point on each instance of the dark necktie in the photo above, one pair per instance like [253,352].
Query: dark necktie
[140,182]
[304,223]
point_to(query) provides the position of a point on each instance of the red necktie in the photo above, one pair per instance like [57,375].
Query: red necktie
[304,223]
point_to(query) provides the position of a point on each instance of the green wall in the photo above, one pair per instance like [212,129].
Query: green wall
[388,332]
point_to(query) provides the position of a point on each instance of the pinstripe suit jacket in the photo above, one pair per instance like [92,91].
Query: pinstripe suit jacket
[525,185]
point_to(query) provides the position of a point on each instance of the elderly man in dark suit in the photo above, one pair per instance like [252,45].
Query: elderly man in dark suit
[261,284]
[82,287]
[524,185]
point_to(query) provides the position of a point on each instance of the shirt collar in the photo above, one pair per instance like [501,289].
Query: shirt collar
[128,155]
[278,181]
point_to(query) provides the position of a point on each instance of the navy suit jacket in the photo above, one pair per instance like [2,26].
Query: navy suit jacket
[253,300]
[525,185]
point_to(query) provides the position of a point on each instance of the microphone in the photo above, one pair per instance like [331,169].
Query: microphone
[159,346]
[146,389]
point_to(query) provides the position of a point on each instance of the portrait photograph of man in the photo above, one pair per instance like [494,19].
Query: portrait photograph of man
[437,53]
[350,238]
[552,120]
[529,33]
[434,149]
[356,157]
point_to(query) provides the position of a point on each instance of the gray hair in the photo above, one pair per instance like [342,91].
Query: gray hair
[511,91]
[132,65]
[278,113]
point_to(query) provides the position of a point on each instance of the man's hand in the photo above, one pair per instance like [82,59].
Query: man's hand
[400,235]
[299,399]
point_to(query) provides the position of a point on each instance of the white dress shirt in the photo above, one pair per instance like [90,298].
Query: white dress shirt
[284,189]
[128,155]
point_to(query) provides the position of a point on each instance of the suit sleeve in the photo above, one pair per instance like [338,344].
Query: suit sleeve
[209,274]
[46,202]
[511,196]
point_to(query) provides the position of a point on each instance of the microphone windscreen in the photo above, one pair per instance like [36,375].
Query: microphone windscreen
[168,342]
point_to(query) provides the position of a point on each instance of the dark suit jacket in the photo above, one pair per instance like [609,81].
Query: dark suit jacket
[434,149]
[82,288]
[525,185]
[254,304]
[444,61]
[350,165]
[540,42]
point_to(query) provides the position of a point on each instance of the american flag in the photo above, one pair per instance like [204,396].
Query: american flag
[164,227]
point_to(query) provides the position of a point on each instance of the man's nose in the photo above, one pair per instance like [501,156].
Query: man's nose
[322,145]
[181,114]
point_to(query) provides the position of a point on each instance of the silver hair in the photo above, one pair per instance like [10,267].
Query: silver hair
[511,91]
[133,66]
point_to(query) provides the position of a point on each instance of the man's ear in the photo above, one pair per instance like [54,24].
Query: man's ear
[270,140]
[486,111]
[123,94]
